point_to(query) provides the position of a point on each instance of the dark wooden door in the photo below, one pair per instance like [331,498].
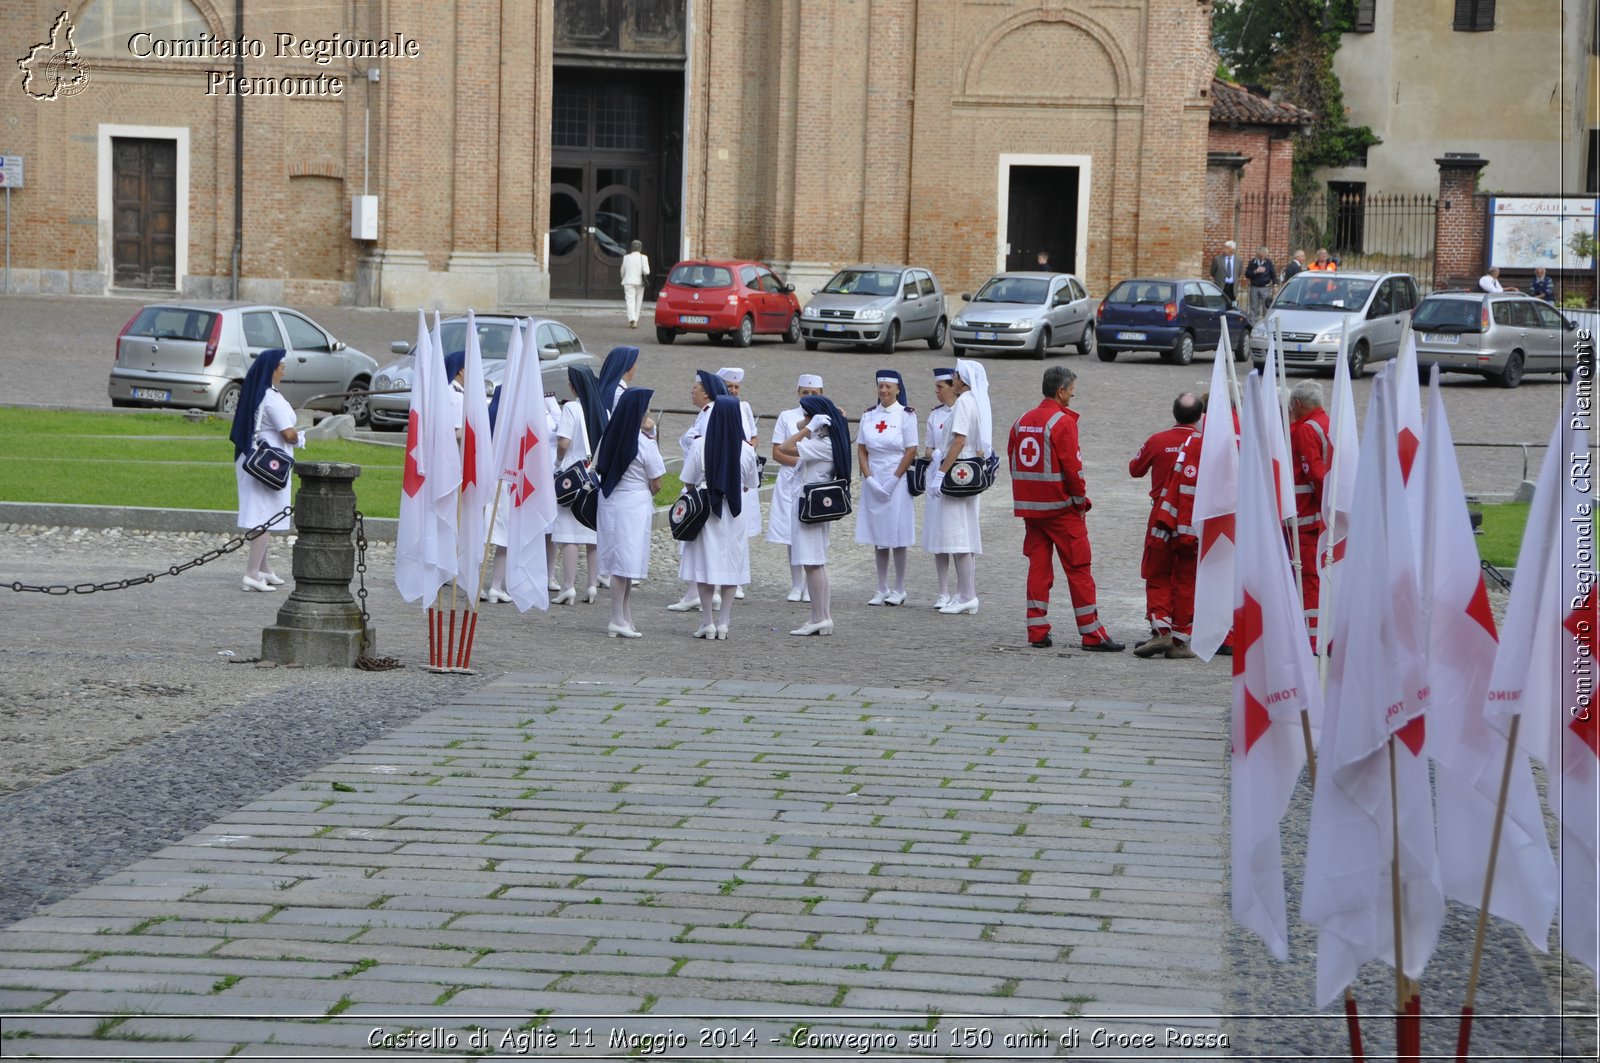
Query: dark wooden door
[1042,216]
[144,227]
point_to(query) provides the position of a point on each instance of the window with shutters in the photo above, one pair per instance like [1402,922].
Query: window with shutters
[1473,16]
[1366,16]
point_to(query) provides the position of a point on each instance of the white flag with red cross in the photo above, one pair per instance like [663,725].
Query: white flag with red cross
[1372,732]
[425,539]
[1339,491]
[1545,670]
[477,467]
[1277,438]
[523,458]
[1469,754]
[1274,681]
[1215,498]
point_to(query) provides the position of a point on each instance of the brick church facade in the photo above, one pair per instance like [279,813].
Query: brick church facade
[518,146]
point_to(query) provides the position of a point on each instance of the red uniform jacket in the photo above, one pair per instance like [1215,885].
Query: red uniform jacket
[1311,450]
[1155,457]
[1173,519]
[1046,462]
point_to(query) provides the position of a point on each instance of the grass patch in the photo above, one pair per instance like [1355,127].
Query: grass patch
[1502,532]
[155,459]
[671,488]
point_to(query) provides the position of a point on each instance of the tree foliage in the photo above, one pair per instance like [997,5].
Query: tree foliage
[1288,46]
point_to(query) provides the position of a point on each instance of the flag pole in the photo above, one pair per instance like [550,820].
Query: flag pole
[1464,1036]
[483,573]
[1402,997]
[450,654]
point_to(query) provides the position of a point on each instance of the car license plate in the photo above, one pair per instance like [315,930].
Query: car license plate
[1441,337]
[1296,347]
[1131,336]
[688,320]
[831,327]
[986,335]
[151,393]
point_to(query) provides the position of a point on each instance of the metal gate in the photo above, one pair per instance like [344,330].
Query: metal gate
[1362,230]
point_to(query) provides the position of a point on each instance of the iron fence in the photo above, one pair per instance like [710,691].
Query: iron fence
[1363,231]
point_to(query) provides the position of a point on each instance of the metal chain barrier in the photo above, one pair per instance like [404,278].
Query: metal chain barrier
[364,662]
[150,577]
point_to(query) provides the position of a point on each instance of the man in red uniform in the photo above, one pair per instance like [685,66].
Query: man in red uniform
[1311,451]
[1156,459]
[1172,551]
[1049,494]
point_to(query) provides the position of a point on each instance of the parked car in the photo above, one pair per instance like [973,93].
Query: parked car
[558,346]
[195,355]
[1029,312]
[1314,309]
[1173,315]
[876,306]
[737,300]
[1500,336]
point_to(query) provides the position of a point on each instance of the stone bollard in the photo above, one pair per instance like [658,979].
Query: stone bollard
[320,624]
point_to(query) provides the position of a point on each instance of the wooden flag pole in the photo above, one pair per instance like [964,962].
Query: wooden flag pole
[1464,1034]
[1394,898]
[483,574]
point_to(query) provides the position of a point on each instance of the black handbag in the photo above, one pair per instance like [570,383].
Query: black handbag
[586,503]
[917,476]
[570,481]
[269,465]
[690,513]
[824,501]
[970,476]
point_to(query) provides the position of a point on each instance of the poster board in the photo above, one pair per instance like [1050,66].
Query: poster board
[1529,231]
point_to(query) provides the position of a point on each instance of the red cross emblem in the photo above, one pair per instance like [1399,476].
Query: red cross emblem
[469,458]
[413,478]
[1247,629]
[1218,527]
[1408,453]
[524,488]
[961,474]
[1029,452]
[881,425]
[1581,623]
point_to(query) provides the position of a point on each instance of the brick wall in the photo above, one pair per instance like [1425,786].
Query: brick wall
[1267,173]
[1459,228]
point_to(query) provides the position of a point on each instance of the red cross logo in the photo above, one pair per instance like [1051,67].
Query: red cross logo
[1248,628]
[1029,452]
[1218,527]
[881,425]
[413,478]
[469,458]
[1581,623]
[524,489]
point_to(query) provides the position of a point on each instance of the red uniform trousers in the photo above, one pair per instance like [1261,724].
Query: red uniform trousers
[1310,581]
[1066,534]
[1168,571]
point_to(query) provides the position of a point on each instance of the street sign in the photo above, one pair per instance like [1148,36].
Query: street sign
[10,171]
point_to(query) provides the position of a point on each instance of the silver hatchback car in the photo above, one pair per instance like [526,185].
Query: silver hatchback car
[1315,310]
[1027,312]
[1500,336]
[876,306]
[196,355]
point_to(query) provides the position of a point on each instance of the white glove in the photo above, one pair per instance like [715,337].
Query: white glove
[819,422]
[935,482]
[875,485]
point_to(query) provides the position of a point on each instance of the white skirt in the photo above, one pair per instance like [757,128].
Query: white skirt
[881,522]
[750,512]
[952,526]
[720,554]
[623,534]
[258,503]
[780,514]
[808,543]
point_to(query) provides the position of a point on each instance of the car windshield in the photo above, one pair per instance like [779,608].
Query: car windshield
[863,282]
[1013,290]
[1324,291]
[173,323]
[1448,315]
[699,275]
[494,338]
[1149,293]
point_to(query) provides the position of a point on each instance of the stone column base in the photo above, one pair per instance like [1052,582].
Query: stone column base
[317,647]
[402,280]
[804,276]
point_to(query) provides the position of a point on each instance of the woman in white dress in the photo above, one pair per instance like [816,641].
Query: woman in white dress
[820,449]
[786,489]
[969,434]
[932,526]
[718,559]
[616,375]
[263,415]
[630,469]
[706,389]
[733,379]
[886,444]
[576,438]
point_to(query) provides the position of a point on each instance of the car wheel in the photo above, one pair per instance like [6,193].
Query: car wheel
[1358,359]
[792,333]
[1511,375]
[940,332]
[665,335]
[746,332]
[1241,353]
[1106,354]
[891,337]
[228,401]
[958,351]
[1041,346]
[355,403]
[1086,341]
[811,345]
[1182,352]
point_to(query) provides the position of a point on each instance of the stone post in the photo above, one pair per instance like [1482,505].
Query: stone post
[320,624]
[1459,256]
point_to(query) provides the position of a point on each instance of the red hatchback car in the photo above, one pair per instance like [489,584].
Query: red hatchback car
[732,299]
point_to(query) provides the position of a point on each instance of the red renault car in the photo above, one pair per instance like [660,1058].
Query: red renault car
[734,299]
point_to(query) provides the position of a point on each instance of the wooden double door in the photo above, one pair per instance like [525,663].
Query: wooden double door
[144,220]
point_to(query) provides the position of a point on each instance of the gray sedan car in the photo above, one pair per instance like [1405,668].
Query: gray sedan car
[196,355]
[1500,336]
[876,306]
[558,346]
[1029,312]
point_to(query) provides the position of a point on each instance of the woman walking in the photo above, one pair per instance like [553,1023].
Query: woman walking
[786,489]
[262,416]
[576,440]
[886,444]
[630,468]
[718,559]
[820,448]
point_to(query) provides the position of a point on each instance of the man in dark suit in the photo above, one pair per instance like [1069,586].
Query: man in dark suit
[1225,269]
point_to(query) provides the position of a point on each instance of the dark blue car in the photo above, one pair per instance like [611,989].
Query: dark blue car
[1173,316]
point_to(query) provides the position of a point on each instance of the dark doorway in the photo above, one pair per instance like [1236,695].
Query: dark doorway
[144,225]
[1349,203]
[1042,217]
[615,176]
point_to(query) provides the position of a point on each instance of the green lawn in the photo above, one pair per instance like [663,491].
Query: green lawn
[154,459]
[1502,532]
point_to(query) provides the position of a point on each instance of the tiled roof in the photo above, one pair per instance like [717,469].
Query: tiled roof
[1240,106]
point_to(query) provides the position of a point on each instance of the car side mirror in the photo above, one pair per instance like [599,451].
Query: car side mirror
[399,347]
[548,354]
[1570,324]
[337,345]
[814,291]
[788,289]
